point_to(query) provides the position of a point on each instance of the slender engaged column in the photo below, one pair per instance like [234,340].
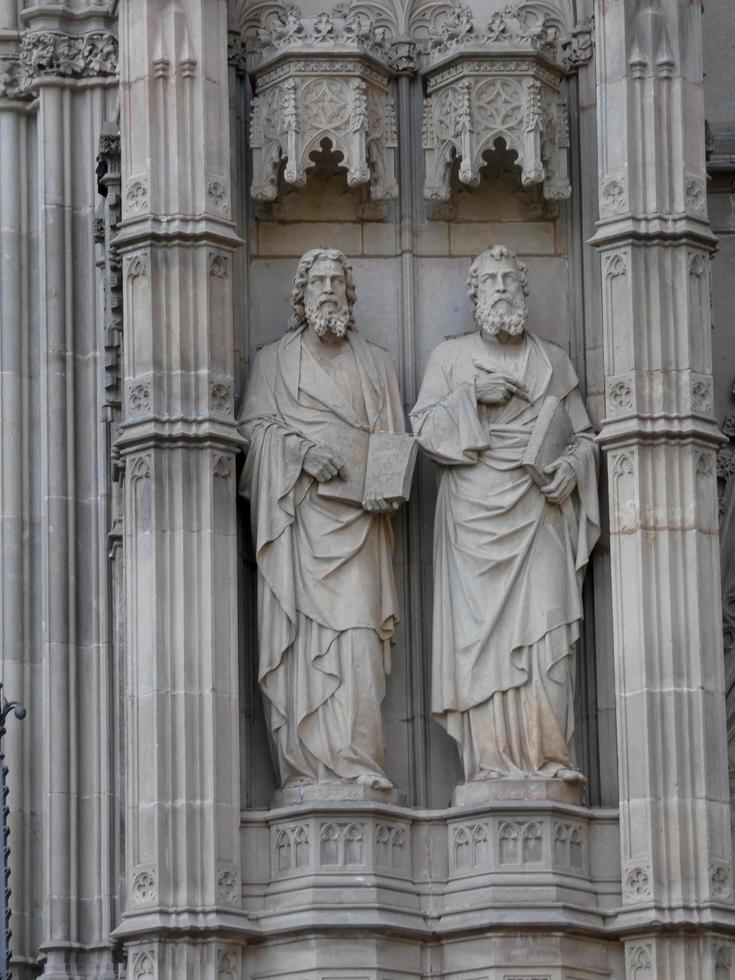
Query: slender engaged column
[59,82]
[178,442]
[16,122]
[660,437]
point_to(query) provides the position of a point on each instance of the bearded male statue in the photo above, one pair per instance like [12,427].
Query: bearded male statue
[326,593]
[509,551]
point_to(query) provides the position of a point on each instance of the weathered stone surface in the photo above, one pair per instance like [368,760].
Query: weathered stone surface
[315,401]
[141,843]
[500,412]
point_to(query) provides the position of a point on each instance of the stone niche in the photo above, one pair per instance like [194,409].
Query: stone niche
[321,79]
[407,307]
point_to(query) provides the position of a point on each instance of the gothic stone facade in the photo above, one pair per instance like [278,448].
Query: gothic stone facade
[163,163]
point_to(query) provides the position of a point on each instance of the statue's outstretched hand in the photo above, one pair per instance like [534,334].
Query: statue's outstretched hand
[322,463]
[492,387]
[563,481]
[377,505]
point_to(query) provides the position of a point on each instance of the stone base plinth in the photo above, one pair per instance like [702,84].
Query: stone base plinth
[344,791]
[501,790]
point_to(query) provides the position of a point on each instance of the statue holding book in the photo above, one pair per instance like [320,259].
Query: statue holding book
[328,462]
[500,411]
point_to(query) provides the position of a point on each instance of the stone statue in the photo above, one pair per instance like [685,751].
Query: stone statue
[509,552]
[326,593]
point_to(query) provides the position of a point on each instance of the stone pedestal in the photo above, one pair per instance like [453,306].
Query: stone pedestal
[489,791]
[377,889]
[334,792]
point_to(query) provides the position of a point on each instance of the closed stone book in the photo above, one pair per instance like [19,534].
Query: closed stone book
[390,465]
[551,434]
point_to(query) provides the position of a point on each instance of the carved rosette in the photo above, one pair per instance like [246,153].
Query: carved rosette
[324,78]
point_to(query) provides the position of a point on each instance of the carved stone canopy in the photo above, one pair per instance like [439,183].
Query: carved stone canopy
[497,76]
[325,77]
[474,101]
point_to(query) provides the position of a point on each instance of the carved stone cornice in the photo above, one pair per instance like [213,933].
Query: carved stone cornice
[370,27]
[449,27]
[475,99]
[55,54]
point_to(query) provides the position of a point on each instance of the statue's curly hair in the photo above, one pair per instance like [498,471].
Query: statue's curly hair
[307,260]
[496,252]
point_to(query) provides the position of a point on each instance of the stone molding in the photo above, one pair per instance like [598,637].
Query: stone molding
[435,864]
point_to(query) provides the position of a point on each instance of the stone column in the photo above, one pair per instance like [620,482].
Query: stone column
[660,438]
[178,442]
[17,119]
[67,67]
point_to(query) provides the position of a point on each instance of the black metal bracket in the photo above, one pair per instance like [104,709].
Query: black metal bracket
[6,707]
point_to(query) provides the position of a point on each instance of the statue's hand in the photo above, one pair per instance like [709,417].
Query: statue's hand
[377,505]
[322,463]
[495,388]
[563,481]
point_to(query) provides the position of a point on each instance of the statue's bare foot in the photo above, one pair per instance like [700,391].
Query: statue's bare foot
[571,776]
[374,781]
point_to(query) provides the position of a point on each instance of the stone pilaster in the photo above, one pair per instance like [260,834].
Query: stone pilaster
[58,77]
[660,437]
[178,443]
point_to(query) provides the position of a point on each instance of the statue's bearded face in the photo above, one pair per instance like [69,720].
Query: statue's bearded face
[501,306]
[325,299]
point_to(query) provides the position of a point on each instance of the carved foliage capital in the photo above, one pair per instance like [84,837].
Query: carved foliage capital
[14,83]
[53,53]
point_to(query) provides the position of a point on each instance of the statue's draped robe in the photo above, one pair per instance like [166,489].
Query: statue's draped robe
[508,564]
[326,593]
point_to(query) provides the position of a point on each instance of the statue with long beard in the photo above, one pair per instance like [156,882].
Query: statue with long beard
[509,554]
[327,607]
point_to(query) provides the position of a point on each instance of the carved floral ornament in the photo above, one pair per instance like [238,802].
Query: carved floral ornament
[327,76]
[45,54]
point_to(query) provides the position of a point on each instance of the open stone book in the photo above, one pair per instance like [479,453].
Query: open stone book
[381,463]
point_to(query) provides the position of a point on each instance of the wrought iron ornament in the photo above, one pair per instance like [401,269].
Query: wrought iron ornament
[5,933]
